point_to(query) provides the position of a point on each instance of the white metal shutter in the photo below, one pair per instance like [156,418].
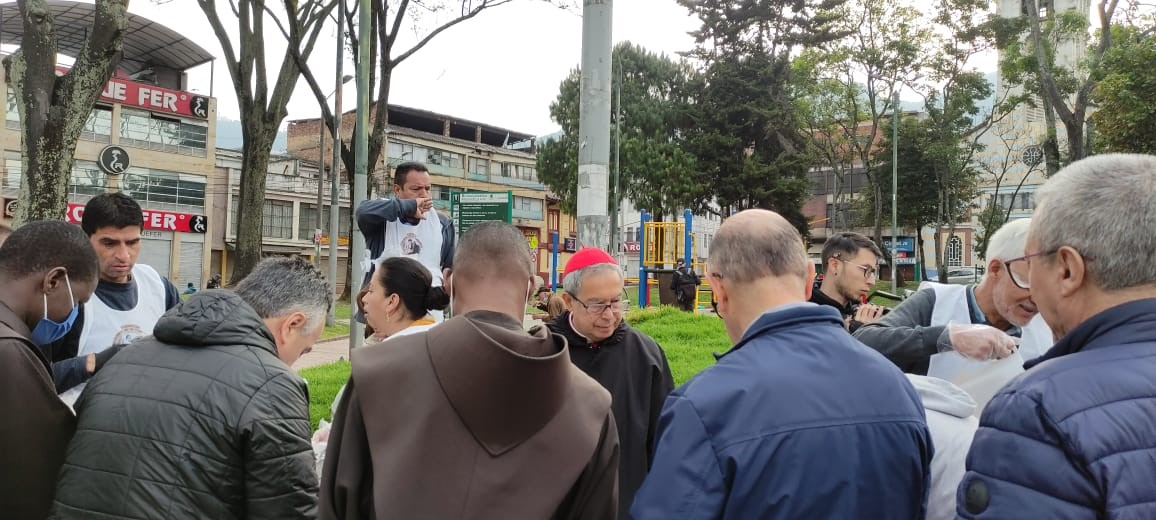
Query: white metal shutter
[192,259]
[157,254]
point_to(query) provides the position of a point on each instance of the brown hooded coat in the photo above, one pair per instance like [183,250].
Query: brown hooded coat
[35,425]
[474,419]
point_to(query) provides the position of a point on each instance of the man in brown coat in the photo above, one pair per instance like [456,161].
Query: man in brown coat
[474,418]
[47,270]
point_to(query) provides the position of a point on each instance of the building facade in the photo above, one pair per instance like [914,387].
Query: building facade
[148,136]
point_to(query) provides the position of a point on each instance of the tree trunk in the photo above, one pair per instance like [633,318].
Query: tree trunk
[940,268]
[53,109]
[919,243]
[258,144]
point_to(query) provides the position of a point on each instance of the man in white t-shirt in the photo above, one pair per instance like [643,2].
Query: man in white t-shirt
[128,301]
[408,225]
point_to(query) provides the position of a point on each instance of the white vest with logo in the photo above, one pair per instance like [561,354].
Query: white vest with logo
[978,377]
[421,242]
[105,326]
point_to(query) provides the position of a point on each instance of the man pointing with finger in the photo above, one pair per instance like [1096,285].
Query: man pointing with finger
[408,225]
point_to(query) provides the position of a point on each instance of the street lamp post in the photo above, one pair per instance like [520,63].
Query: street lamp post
[894,190]
[334,174]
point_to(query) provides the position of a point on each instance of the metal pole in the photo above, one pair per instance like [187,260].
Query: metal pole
[320,192]
[894,190]
[688,241]
[335,169]
[616,231]
[361,161]
[594,124]
[643,283]
[554,261]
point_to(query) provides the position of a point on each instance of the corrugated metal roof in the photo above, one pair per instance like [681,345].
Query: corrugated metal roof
[146,42]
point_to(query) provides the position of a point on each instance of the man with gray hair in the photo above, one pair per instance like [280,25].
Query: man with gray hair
[205,419]
[798,420]
[1075,436]
[626,361]
[979,322]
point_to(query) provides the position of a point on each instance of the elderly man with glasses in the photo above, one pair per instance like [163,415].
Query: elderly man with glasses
[990,320]
[627,362]
[1075,436]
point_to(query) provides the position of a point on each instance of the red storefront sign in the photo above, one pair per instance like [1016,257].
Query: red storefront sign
[632,247]
[155,220]
[153,98]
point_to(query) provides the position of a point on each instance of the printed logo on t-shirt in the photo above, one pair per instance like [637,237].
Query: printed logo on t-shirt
[410,245]
[128,334]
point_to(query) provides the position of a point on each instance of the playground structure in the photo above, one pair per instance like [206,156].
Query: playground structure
[663,245]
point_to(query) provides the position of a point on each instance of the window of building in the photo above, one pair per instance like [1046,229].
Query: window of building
[164,190]
[479,168]
[954,252]
[145,130]
[87,179]
[1023,201]
[97,128]
[12,115]
[306,223]
[277,219]
[406,152]
[526,207]
[553,219]
[524,172]
[447,159]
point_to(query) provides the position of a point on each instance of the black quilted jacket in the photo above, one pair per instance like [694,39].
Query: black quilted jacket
[202,421]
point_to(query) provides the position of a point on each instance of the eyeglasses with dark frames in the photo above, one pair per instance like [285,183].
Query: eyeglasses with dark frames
[1022,281]
[596,309]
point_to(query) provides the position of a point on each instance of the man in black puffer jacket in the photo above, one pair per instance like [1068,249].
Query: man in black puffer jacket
[206,419]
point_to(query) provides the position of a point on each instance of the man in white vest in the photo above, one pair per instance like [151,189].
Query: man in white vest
[988,321]
[128,301]
[408,225]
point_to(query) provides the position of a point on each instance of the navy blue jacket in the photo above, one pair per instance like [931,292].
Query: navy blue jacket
[798,420]
[1074,436]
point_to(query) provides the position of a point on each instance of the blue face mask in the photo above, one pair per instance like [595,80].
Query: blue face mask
[47,330]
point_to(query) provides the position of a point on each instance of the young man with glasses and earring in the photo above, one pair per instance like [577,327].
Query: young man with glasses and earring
[850,266]
[991,320]
[625,361]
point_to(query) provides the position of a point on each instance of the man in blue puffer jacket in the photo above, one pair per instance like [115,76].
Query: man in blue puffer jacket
[798,420]
[1075,435]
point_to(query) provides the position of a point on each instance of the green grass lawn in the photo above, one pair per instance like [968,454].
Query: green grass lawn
[324,382]
[688,340]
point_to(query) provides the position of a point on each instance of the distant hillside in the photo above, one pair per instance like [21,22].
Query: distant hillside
[229,136]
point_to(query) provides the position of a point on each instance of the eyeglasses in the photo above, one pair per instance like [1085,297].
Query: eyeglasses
[1022,281]
[596,309]
[868,271]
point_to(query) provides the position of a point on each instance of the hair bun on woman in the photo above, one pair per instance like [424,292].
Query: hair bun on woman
[436,299]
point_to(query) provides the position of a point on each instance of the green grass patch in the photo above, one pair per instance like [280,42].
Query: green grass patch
[689,340]
[342,311]
[324,382]
[336,331]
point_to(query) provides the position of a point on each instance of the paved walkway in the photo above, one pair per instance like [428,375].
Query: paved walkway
[337,349]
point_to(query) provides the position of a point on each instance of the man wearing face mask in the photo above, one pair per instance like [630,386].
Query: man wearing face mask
[474,418]
[130,297]
[205,419]
[627,362]
[47,269]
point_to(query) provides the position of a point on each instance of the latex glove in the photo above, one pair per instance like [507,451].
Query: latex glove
[981,342]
